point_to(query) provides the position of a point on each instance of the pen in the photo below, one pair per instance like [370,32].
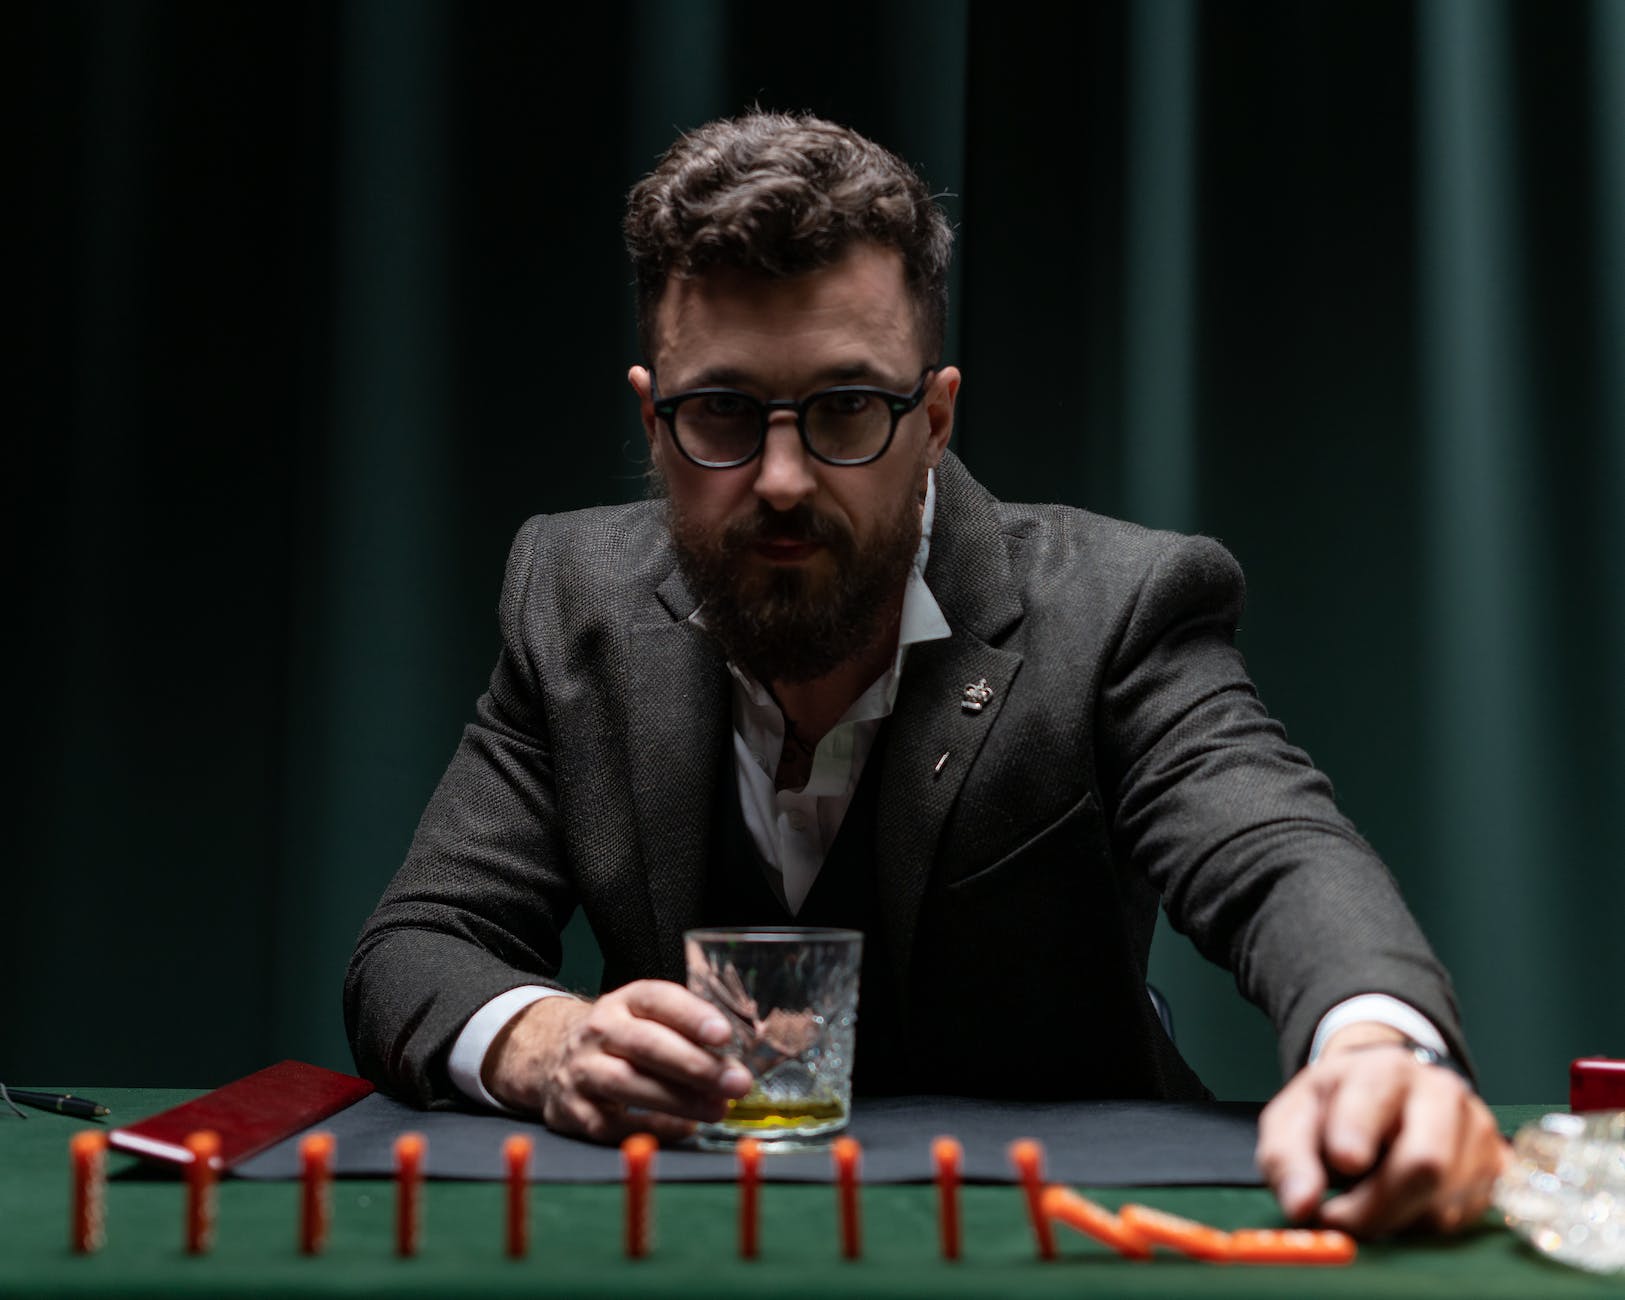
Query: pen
[64,1103]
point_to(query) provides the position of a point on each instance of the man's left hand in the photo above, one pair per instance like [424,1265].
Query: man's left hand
[1420,1148]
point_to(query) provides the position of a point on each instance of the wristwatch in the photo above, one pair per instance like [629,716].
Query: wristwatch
[1421,1052]
[1427,1056]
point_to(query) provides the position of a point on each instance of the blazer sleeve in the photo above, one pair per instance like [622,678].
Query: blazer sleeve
[478,906]
[1236,828]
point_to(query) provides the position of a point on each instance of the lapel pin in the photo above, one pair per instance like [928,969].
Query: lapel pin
[937,770]
[977,694]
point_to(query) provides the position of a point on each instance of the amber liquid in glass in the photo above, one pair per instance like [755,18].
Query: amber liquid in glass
[754,1113]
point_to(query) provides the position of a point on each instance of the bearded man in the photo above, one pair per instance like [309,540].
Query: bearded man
[745,703]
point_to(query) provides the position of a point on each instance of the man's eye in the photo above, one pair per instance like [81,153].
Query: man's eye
[724,406]
[848,405]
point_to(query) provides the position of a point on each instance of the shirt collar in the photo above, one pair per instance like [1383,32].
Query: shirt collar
[922,618]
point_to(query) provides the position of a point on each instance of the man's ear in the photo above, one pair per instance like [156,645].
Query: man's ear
[939,410]
[643,385]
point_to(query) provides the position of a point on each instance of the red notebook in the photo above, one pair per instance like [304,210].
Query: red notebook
[253,1113]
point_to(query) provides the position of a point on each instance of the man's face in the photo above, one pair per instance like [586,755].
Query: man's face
[800,565]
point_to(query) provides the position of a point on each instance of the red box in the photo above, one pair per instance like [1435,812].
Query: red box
[1596,1083]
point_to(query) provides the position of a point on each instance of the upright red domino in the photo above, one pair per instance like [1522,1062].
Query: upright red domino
[204,1148]
[947,1157]
[516,1161]
[315,1192]
[637,1159]
[87,1221]
[1027,1156]
[749,1154]
[848,1155]
[410,1151]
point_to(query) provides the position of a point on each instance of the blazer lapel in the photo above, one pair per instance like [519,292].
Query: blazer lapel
[934,736]
[678,730]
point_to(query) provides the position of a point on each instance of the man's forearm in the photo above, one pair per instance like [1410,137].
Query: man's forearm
[409,995]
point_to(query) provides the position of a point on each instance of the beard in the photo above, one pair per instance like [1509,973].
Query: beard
[792,623]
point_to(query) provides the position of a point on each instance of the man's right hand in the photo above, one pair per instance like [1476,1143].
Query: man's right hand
[639,1059]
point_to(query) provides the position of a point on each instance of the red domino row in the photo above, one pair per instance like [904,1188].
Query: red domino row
[1133,1232]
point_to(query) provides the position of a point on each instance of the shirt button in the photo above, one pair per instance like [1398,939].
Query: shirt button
[798,820]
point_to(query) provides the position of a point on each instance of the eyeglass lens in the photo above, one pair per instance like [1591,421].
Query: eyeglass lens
[724,427]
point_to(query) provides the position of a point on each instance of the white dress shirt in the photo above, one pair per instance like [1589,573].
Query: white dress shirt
[793,829]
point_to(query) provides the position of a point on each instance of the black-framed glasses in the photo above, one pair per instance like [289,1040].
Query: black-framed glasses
[721,428]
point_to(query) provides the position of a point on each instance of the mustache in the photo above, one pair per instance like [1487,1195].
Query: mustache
[800,524]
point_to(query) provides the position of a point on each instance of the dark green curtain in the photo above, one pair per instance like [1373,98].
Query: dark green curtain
[321,301]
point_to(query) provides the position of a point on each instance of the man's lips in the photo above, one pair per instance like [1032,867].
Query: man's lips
[785,550]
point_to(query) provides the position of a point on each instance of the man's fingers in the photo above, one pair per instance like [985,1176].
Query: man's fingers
[1412,1183]
[1288,1153]
[636,1065]
[654,1048]
[1363,1113]
[574,1114]
[667,1128]
[1472,1181]
[581,1117]
[673,1005]
[611,1081]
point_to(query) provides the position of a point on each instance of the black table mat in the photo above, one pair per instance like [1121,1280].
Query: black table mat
[1100,1143]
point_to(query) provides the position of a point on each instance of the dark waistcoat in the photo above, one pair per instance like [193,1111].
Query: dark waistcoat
[845,894]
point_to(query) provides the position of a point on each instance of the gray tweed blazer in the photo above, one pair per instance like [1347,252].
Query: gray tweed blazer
[1124,758]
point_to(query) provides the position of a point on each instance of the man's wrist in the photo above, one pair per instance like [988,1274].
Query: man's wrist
[1354,1039]
[1367,1010]
[1364,1034]
[466,1064]
[525,1050]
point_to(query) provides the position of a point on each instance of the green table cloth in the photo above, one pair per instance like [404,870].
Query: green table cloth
[576,1240]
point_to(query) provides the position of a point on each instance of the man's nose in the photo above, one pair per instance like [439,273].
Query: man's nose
[784,474]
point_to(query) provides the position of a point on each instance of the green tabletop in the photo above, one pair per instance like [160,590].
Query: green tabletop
[576,1240]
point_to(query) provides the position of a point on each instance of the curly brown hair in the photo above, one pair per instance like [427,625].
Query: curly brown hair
[777,194]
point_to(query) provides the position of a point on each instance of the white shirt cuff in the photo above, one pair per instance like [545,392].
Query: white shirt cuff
[1384,1010]
[468,1052]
